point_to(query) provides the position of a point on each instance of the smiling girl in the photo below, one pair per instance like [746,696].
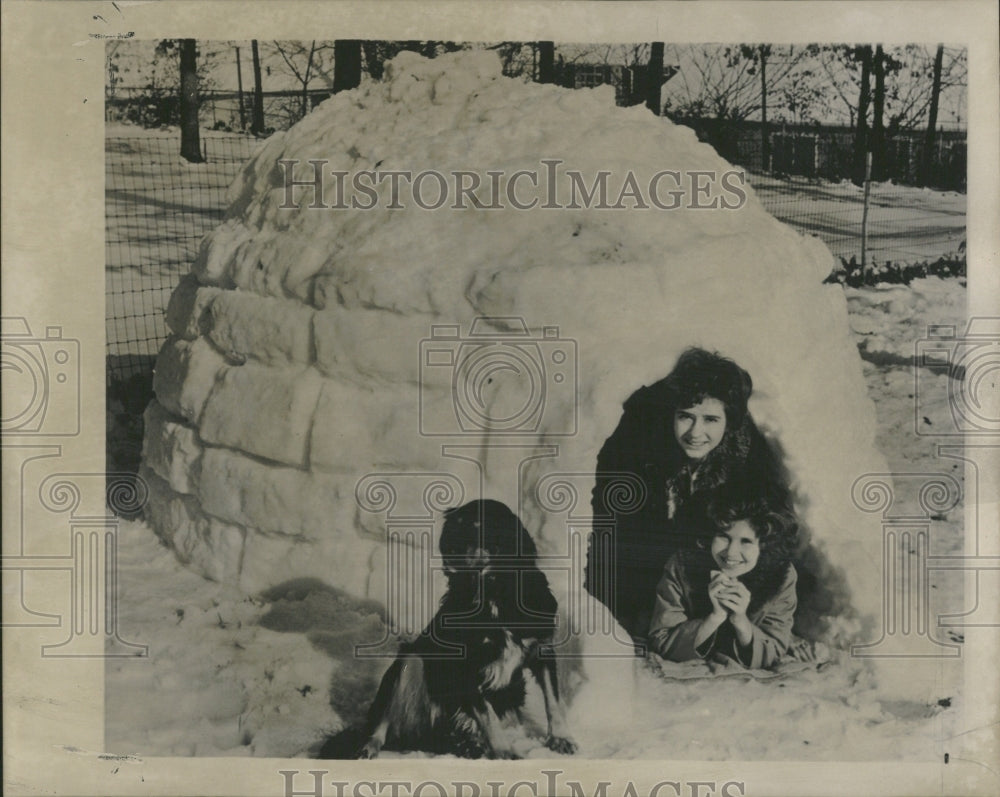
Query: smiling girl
[733,598]
[683,437]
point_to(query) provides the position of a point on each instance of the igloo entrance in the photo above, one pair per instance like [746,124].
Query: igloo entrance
[650,497]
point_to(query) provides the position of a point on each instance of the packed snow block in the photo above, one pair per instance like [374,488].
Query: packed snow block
[184,375]
[220,554]
[188,309]
[272,330]
[171,448]
[341,560]
[274,499]
[354,342]
[211,546]
[400,576]
[263,411]
[171,514]
[211,265]
[272,264]
[340,430]
[358,426]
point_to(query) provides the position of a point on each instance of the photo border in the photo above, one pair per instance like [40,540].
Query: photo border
[53,179]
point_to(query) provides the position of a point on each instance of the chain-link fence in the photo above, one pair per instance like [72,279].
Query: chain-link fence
[157,209]
[159,206]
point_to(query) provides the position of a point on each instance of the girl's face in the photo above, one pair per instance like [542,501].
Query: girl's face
[700,428]
[736,549]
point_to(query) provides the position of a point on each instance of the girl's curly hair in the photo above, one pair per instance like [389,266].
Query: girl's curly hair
[776,530]
[701,374]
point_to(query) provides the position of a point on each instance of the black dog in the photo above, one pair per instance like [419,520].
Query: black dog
[447,691]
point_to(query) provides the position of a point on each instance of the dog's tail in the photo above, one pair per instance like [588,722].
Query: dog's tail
[345,743]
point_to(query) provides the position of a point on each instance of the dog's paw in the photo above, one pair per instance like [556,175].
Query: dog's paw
[370,750]
[561,744]
[469,747]
[505,755]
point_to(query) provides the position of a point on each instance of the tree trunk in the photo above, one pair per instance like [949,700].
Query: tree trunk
[546,62]
[346,64]
[190,141]
[373,59]
[257,117]
[927,157]
[765,139]
[654,78]
[861,130]
[239,83]
[878,111]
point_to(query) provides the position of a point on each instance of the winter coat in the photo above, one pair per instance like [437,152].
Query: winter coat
[631,544]
[682,602]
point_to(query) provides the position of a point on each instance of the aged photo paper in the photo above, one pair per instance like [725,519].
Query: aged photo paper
[567,398]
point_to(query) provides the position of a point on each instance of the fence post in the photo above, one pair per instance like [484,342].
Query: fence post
[864,217]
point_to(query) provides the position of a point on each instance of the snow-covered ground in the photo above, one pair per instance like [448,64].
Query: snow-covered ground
[905,224]
[273,675]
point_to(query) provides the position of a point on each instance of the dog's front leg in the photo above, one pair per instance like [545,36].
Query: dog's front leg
[375,742]
[558,738]
[493,730]
[378,715]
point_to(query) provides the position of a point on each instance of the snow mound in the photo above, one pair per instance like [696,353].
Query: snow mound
[890,319]
[307,423]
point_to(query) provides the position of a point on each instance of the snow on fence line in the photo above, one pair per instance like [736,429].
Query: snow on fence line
[158,207]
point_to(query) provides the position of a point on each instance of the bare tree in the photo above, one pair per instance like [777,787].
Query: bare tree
[908,76]
[517,59]
[257,117]
[724,82]
[654,78]
[864,57]
[930,135]
[346,64]
[546,62]
[911,88]
[306,62]
[190,141]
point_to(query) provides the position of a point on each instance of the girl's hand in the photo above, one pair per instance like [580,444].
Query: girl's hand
[735,600]
[734,597]
[718,584]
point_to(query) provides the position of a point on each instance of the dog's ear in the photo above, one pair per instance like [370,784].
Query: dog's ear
[488,525]
[526,548]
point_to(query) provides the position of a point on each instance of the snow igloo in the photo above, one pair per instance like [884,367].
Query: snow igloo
[353,353]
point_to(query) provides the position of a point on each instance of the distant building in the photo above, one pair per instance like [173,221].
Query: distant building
[629,81]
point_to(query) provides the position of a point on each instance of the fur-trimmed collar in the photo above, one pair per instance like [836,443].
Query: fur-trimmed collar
[690,476]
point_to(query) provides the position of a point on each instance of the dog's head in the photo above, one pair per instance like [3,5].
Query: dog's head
[485,534]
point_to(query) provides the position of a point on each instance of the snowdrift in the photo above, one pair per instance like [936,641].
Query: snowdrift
[305,422]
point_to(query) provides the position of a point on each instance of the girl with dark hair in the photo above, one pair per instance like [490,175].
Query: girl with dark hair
[733,597]
[684,436]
